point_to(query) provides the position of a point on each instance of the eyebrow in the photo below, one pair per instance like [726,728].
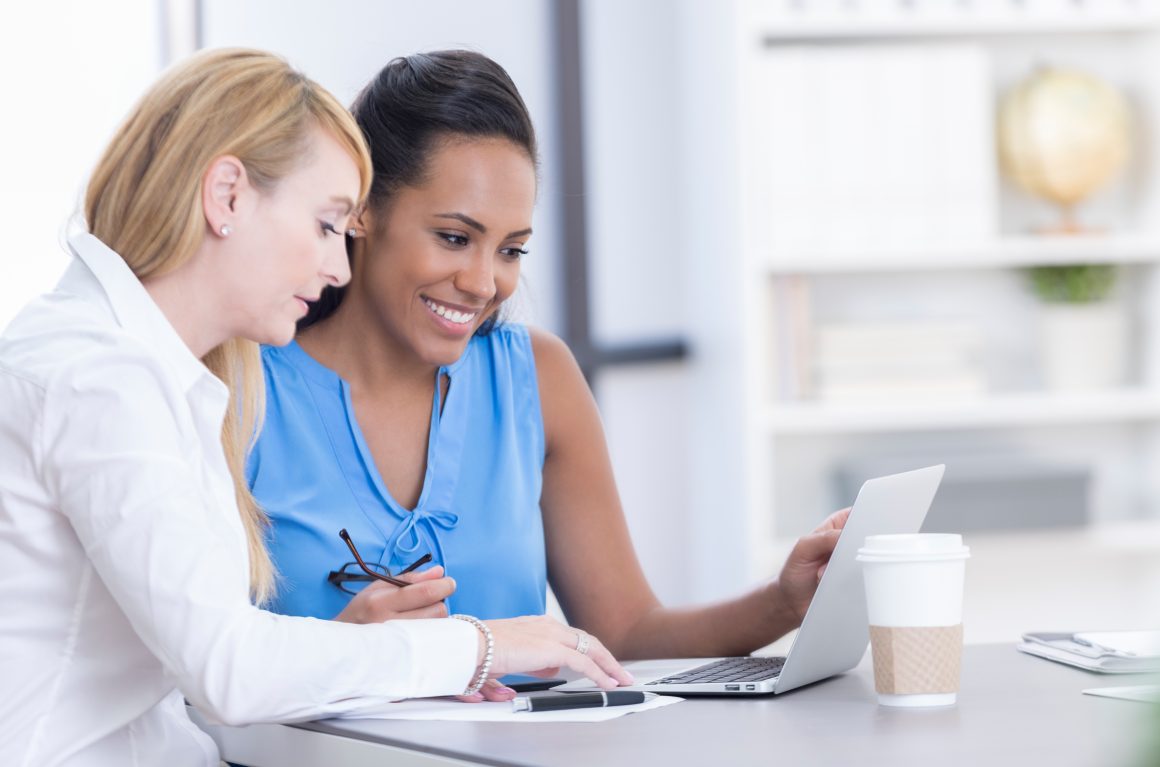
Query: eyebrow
[349,203]
[469,221]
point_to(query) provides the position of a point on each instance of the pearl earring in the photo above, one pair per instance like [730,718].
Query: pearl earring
[225,230]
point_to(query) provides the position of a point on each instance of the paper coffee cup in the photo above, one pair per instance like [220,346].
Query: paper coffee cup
[914,600]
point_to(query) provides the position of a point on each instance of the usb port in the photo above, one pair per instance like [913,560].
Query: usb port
[750,687]
[732,688]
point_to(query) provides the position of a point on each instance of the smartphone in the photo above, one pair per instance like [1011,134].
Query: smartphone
[525,683]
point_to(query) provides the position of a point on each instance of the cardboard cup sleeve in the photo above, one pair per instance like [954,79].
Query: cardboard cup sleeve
[916,660]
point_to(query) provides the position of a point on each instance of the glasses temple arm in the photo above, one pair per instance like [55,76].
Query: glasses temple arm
[378,576]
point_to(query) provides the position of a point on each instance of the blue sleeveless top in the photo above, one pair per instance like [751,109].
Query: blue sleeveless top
[479,510]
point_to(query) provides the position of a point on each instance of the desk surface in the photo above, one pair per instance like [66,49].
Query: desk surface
[1013,709]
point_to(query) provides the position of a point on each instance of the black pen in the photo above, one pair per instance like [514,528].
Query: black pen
[598,699]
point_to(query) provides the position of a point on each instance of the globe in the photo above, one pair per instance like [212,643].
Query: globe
[1063,134]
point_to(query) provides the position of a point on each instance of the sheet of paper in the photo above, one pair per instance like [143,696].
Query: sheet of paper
[1146,693]
[432,709]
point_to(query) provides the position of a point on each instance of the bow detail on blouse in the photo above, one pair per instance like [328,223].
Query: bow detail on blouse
[405,539]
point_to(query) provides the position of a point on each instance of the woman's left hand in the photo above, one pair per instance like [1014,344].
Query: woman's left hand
[807,562]
[380,601]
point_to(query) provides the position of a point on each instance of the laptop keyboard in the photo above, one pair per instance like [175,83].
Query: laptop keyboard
[728,670]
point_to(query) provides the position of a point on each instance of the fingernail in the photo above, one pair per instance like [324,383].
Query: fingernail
[475,697]
[506,691]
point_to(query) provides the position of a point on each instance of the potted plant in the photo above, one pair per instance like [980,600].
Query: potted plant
[1083,332]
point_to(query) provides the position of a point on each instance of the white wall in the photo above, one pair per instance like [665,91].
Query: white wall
[69,71]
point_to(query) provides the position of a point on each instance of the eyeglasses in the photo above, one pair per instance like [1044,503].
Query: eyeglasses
[348,573]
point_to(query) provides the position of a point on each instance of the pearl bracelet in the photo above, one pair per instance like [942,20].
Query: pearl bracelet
[485,667]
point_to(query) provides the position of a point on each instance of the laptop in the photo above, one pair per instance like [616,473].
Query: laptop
[835,633]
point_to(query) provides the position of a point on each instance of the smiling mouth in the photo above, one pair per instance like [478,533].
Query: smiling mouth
[451,315]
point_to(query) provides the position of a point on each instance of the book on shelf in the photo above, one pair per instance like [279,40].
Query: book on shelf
[893,391]
[792,296]
[885,361]
[917,338]
[1106,652]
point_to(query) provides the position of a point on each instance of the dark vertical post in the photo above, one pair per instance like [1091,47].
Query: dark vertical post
[570,111]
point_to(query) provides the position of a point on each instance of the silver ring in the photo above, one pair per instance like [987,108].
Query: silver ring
[581,643]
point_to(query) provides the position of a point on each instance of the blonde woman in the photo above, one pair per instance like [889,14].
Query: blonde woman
[132,551]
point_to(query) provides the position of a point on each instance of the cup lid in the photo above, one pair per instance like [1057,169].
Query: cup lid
[913,547]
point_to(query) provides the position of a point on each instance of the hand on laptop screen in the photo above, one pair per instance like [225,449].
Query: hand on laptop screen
[803,570]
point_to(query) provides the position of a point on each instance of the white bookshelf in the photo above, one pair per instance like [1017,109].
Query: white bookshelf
[792,440]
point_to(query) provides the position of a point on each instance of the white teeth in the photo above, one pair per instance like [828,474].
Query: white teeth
[459,318]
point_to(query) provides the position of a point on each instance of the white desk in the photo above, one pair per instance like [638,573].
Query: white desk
[1013,710]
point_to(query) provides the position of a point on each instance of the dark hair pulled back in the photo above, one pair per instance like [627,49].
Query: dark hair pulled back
[412,105]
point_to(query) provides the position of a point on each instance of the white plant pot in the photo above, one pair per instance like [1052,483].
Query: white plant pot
[1084,346]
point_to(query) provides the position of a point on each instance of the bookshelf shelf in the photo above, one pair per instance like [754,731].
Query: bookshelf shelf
[987,412]
[1002,253]
[789,21]
[921,28]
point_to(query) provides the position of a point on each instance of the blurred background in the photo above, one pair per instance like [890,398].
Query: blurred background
[794,244]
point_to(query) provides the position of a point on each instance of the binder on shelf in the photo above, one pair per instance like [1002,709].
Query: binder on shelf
[870,149]
[1106,652]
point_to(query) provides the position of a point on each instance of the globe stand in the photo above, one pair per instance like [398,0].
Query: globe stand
[1068,225]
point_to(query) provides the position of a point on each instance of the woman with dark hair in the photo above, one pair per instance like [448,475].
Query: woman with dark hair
[407,416]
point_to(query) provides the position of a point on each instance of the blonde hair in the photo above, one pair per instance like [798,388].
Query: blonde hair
[144,202]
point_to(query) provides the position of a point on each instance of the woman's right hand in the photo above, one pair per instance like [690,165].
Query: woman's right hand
[381,601]
[540,645]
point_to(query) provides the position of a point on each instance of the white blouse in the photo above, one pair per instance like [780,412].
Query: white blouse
[123,564]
